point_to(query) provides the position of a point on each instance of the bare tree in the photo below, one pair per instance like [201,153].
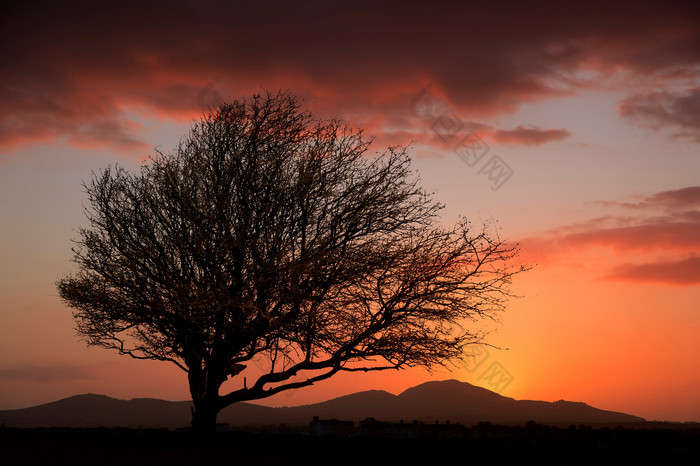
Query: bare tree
[270,235]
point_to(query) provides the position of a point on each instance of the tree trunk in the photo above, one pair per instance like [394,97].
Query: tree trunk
[204,388]
[204,416]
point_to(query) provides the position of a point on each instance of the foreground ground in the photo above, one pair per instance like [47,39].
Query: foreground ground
[494,444]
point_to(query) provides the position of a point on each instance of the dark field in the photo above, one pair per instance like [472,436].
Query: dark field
[489,445]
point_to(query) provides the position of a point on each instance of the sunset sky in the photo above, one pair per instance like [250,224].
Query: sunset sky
[583,122]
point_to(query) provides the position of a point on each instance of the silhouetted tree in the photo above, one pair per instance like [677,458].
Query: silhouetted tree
[269,235]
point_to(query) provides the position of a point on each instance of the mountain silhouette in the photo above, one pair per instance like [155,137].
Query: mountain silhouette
[448,400]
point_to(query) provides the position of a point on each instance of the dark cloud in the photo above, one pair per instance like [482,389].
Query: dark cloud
[529,136]
[675,272]
[39,373]
[112,133]
[69,65]
[676,200]
[679,198]
[679,111]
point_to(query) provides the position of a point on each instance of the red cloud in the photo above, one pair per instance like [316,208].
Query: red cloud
[644,237]
[649,238]
[664,241]
[76,73]
[529,136]
[678,272]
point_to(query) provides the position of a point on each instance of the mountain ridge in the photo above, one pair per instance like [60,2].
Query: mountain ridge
[447,400]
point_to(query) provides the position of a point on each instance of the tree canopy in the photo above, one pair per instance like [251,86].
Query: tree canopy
[270,235]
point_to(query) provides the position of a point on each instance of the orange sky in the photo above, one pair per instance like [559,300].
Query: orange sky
[594,111]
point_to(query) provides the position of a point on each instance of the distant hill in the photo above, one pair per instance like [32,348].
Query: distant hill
[445,400]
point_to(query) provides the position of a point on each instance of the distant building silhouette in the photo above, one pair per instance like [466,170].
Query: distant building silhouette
[335,427]
[371,427]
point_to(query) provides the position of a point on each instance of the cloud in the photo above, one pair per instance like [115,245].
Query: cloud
[679,111]
[75,73]
[677,272]
[662,234]
[529,136]
[648,235]
[678,200]
[39,373]
[112,133]
[86,119]
[439,126]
